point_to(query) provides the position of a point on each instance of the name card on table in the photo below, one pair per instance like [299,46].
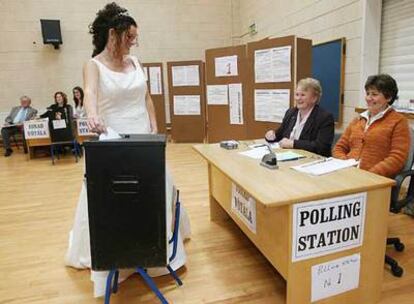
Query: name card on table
[326,226]
[335,277]
[36,128]
[82,126]
[244,206]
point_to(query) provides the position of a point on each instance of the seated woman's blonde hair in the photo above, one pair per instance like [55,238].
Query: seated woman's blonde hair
[311,83]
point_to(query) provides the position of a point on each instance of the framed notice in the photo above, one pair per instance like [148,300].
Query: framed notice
[327,226]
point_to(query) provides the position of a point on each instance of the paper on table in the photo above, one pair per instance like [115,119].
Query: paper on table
[328,165]
[259,152]
[110,134]
[274,145]
[256,153]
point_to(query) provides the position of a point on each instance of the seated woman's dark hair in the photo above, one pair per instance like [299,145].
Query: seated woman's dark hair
[65,98]
[77,102]
[111,16]
[385,84]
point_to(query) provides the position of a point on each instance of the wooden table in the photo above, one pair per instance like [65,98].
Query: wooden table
[36,142]
[276,193]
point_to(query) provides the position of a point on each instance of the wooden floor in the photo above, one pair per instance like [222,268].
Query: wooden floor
[37,205]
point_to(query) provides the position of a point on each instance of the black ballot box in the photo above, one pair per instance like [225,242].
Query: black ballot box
[126,201]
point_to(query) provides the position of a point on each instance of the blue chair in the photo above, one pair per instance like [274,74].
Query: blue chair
[112,280]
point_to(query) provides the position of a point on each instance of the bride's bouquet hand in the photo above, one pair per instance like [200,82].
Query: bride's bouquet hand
[96,125]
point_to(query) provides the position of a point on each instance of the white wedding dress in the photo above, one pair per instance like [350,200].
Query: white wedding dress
[121,105]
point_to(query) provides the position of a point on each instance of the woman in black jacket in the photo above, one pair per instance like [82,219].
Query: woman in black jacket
[60,109]
[306,126]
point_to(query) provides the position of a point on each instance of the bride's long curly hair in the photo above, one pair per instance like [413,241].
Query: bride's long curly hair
[111,16]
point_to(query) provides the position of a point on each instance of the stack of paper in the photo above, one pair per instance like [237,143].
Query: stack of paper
[324,166]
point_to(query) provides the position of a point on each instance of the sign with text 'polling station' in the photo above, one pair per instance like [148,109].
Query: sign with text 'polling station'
[327,226]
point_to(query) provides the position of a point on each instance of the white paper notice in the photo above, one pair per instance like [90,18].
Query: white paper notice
[217,94]
[271,105]
[185,76]
[187,105]
[335,277]
[272,65]
[327,226]
[146,73]
[226,66]
[155,80]
[236,103]
[244,206]
[36,128]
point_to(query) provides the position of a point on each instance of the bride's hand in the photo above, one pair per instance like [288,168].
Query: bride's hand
[96,125]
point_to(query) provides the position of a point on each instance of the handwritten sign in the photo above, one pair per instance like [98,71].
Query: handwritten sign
[82,126]
[36,129]
[244,206]
[326,226]
[335,277]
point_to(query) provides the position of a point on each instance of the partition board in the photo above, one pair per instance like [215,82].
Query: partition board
[328,65]
[187,124]
[300,67]
[155,84]
[220,125]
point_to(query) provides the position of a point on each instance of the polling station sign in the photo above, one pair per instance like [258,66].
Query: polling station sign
[327,226]
[36,128]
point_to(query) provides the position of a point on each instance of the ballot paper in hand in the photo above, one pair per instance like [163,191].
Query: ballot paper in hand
[324,166]
[110,134]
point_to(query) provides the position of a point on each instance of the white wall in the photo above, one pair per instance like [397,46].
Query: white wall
[169,30]
[319,20]
[174,30]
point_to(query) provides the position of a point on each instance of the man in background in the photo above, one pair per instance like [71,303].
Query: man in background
[14,123]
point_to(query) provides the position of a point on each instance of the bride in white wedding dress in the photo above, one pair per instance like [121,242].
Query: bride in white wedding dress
[116,96]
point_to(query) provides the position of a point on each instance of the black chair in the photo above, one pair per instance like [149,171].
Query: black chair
[398,202]
[62,136]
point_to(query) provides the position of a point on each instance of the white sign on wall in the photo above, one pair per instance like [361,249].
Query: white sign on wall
[335,277]
[36,128]
[326,226]
[244,206]
[82,126]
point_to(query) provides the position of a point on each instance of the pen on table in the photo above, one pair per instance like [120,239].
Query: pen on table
[316,162]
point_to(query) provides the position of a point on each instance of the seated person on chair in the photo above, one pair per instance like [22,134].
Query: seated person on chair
[306,126]
[60,109]
[78,95]
[379,137]
[13,123]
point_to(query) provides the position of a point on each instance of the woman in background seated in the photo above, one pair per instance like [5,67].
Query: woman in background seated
[78,99]
[306,126]
[60,109]
[379,138]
